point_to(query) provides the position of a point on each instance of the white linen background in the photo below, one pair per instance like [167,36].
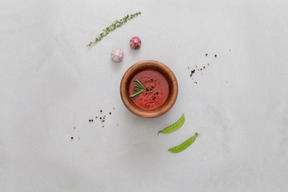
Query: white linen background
[50,82]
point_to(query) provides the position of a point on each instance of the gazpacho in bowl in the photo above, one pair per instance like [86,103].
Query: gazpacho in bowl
[149,89]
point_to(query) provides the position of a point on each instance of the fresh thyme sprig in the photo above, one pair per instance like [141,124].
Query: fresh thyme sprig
[139,88]
[113,26]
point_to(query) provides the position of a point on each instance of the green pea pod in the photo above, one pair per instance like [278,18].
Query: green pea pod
[183,145]
[174,126]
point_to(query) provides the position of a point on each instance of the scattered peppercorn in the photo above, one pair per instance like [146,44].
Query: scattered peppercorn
[100,111]
[206,54]
[152,79]
[100,117]
[203,67]
[146,94]
[215,55]
[147,89]
[110,113]
[152,86]
[71,138]
[90,120]
[192,72]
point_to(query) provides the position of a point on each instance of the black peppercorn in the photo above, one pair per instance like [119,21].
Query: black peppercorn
[192,72]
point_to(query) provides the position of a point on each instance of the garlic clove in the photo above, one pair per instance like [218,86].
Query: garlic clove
[116,55]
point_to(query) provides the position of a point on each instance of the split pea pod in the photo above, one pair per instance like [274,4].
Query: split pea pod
[183,145]
[174,126]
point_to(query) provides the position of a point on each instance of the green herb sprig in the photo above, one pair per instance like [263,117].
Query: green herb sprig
[112,27]
[139,88]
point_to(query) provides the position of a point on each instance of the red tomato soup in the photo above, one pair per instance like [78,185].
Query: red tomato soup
[156,93]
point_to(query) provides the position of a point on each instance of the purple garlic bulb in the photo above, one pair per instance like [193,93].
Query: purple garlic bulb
[135,43]
[117,55]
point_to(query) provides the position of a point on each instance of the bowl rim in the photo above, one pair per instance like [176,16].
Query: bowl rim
[163,69]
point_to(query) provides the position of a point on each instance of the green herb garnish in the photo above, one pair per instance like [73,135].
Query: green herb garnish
[183,145]
[174,126]
[113,26]
[139,88]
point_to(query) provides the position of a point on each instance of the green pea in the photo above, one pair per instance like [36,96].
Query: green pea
[174,126]
[183,145]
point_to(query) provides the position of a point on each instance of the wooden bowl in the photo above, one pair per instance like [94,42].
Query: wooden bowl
[144,65]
